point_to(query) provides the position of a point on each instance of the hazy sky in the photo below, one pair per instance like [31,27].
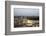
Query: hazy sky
[26,12]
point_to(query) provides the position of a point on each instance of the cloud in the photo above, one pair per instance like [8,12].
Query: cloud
[26,12]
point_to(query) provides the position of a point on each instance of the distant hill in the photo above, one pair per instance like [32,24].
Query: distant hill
[27,17]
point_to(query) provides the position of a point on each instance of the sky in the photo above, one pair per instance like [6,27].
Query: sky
[26,12]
